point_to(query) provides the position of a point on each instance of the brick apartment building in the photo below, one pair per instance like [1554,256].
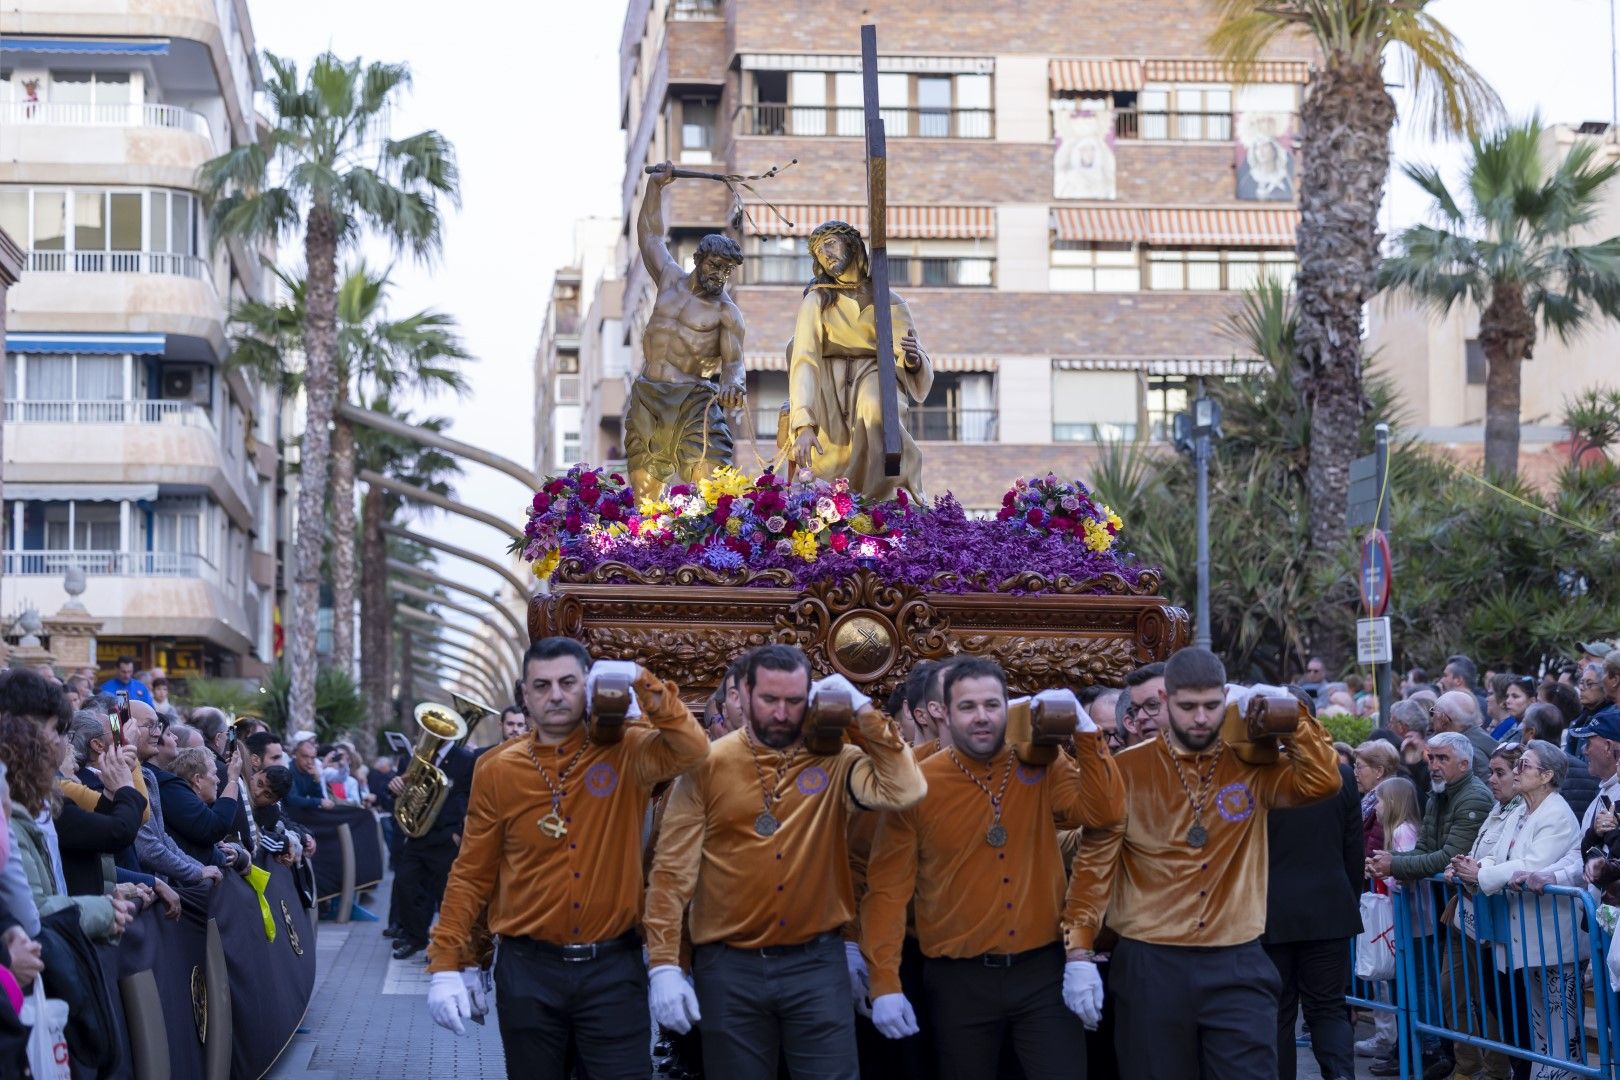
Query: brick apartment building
[1076,192]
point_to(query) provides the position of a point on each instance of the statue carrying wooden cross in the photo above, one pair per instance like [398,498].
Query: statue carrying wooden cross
[844,365]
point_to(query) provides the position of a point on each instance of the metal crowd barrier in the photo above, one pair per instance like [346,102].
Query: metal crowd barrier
[1503,973]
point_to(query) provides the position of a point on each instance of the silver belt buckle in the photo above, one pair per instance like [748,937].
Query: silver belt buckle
[586,952]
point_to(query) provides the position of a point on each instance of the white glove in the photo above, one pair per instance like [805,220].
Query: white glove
[1240,695]
[892,1015]
[860,986]
[1083,992]
[1065,694]
[857,700]
[628,668]
[671,998]
[477,981]
[447,1001]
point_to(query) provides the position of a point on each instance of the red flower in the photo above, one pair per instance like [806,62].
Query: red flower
[844,502]
[878,519]
[556,486]
[616,478]
[1061,524]
[722,509]
[838,542]
[1006,512]
[680,489]
[611,511]
[1036,516]
[542,502]
[572,522]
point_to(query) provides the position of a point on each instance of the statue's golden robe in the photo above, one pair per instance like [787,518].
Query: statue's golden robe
[833,387]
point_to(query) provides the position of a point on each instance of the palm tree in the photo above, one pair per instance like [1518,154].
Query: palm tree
[382,357]
[326,162]
[417,465]
[1509,250]
[1347,118]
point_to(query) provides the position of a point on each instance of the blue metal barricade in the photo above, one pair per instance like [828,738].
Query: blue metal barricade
[1503,973]
[1379,996]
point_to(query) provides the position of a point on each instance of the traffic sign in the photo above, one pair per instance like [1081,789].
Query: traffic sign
[1372,641]
[1365,488]
[1377,573]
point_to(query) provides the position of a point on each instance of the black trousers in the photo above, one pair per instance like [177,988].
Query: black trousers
[598,1008]
[759,1009]
[1313,974]
[1194,1013]
[419,881]
[1101,1061]
[972,1006]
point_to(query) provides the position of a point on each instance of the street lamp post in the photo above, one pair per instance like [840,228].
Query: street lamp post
[1195,433]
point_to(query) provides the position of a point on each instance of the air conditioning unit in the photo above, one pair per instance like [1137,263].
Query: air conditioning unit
[177,383]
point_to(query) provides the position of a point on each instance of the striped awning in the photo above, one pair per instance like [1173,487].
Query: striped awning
[905,222]
[1082,75]
[1164,365]
[86,46]
[19,341]
[1257,227]
[940,362]
[1099,224]
[1217,71]
[952,65]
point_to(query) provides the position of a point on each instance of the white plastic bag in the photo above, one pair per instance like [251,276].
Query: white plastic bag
[47,1036]
[1375,947]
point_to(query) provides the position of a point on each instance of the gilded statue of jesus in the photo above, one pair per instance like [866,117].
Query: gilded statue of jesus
[835,414]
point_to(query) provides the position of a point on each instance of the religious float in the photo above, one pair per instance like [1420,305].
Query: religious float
[686,582]
[684,561]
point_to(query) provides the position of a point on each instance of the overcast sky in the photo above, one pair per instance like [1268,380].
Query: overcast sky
[528,93]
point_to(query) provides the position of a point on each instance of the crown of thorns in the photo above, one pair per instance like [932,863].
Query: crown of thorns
[829,229]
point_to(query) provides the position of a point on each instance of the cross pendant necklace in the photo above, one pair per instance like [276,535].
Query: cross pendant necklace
[553,825]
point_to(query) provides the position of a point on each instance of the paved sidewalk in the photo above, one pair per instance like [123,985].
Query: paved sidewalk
[369,1021]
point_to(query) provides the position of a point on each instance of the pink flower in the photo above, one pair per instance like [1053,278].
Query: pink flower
[1060,524]
[838,542]
[844,503]
[784,547]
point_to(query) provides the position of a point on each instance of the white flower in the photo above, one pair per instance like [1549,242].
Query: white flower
[776,523]
[827,509]
[784,547]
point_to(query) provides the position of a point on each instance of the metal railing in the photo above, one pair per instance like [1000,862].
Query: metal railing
[906,271]
[779,118]
[118,262]
[182,413]
[40,563]
[927,423]
[84,114]
[696,9]
[1180,126]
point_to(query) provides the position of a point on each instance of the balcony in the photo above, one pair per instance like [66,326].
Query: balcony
[770,118]
[145,564]
[84,114]
[697,10]
[182,413]
[1178,126]
[905,271]
[118,262]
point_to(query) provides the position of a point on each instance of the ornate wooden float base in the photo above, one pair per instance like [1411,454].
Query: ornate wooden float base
[689,625]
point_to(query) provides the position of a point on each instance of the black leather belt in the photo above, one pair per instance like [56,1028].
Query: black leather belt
[572,954]
[997,960]
[795,949]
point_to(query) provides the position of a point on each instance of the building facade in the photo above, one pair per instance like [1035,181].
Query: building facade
[1076,194]
[131,451]
[579,366]
[1438,367]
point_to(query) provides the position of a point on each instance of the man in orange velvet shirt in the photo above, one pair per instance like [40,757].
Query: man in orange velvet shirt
[755,843]
[1183,882]
[552,849]
[980,857]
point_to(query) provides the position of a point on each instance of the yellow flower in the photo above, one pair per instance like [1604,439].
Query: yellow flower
[1113,518]
[862,523]
[804,544]
[651,508]
[725,481]
[733,526]
[617,529]
[545,566]
[1097,537]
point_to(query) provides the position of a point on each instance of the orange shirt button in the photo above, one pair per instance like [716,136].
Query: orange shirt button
[1009,905]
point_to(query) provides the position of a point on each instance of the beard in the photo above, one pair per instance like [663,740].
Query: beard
[775,738]
[1196,741]
[711,284]
[1437,785]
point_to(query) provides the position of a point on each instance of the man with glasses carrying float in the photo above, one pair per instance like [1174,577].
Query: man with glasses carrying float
[1144,715]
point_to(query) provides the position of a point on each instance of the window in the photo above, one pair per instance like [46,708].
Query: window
[941,264]
[1214,269]
[55,377]
[1166,396]
[1093,406]
[961,407]
[1193,112]
[1475,366]
[934,106]
[697,130]
[14,214]
[570,448]
[813,103]
[101,220]
[778,260]
[92,526]
[90,88]
[1082,266]
[767,393]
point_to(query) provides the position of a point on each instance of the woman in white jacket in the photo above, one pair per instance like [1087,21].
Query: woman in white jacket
[1545,945]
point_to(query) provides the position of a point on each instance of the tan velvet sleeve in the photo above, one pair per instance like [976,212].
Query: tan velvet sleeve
[886,776]
[891,879]
[674,871]
[1308,772]
[1087,792]
[804,365]
[675,742]
[454,942]
[1091,881]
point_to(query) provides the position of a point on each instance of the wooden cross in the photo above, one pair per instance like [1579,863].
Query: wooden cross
[877,165]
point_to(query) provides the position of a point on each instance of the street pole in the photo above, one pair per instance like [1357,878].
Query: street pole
[1202,637]
[1383,673]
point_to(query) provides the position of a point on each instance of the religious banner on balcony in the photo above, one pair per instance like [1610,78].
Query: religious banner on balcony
[1265,156]
[1082,149]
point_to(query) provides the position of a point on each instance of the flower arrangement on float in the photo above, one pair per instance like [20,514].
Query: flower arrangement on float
[816,529]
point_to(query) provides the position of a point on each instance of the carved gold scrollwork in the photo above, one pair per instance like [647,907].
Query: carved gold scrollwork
[1037,663]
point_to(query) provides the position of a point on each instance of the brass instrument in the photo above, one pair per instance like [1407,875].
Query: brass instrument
[425,785]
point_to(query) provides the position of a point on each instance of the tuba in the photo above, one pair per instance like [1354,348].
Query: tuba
[426,786]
